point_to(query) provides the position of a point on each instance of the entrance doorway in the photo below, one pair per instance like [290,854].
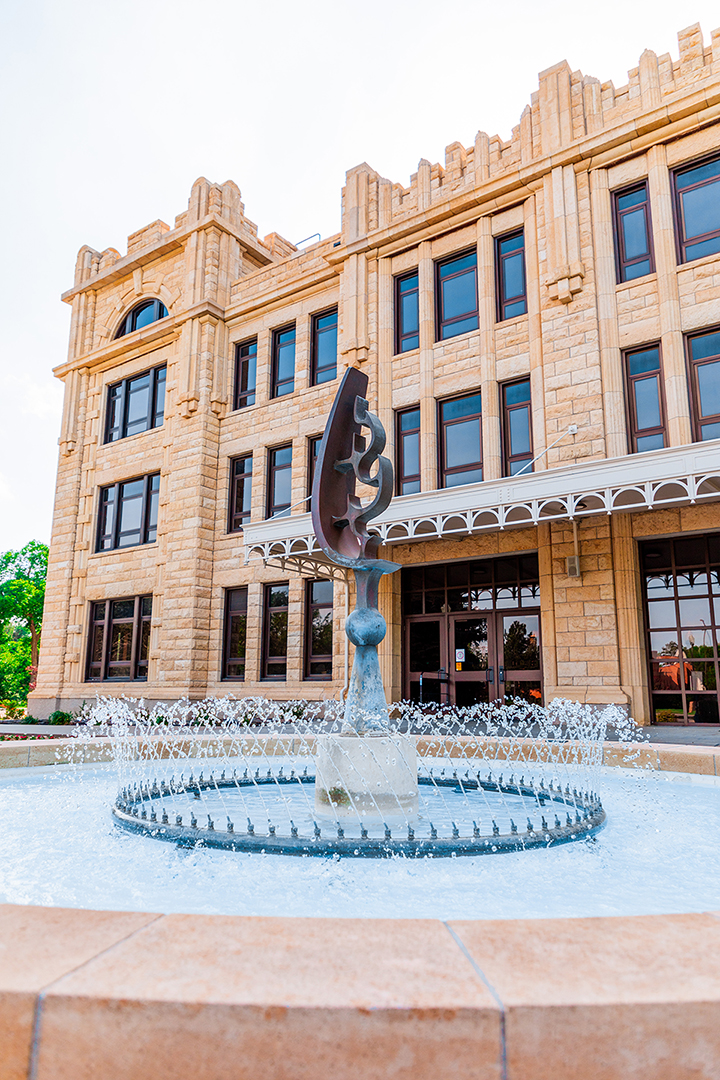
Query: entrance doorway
[476,635]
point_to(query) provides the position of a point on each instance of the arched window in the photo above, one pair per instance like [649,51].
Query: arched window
[142,315]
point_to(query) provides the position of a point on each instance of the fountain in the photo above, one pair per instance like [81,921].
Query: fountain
[354,780]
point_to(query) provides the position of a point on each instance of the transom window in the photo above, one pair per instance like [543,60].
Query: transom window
[517,427]
[283,361]
[511,282]
[324,347]
[319,630]
[697,205]
[408,452]
[119,643]
[279,495]
[275,631]
[407,313]
[456,291]
[128,513]
[704,355]
[240,492]
[136,404]
[245,373]
[141,315]
[461,440]
[646,400]
[235,633]
[633,237]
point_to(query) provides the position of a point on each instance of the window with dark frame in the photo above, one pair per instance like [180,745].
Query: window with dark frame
[456,295]
[407,452]
[313,451]
[645,398]
[461,440]
[235,639]
[633,233]
[324,347]
[136,404]
[517,427]
[275,628]
[283,361]
[697,209]
[511,277]
[119,640]
[279,488]
[704,362]
[245,373]
[240,492]
[128,513]
[407,312]
[149,311]
[318,629]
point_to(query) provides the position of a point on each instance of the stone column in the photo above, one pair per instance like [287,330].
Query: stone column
[428,408]
[677,402]
[491,437]
[537,382]
[628,603]
[547,611]
[616,444]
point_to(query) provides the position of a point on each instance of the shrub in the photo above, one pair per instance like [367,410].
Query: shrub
[60,717]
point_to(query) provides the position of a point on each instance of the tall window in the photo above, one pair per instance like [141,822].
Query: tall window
[235,633]
[646,406]
[704,356]
[461,440]
[456,290]
[517,427]
[141,315]
[128,513]
[313,451]
[275,631]
[245,373]
[283,361]
[510,267]
[633,236]
[407,313]
[119,642]
[136,404]
[407,442]
[697,206]
[240,492]
[324,347]
[319,629]
[279,480]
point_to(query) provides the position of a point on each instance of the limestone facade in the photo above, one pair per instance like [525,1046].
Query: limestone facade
[554,182]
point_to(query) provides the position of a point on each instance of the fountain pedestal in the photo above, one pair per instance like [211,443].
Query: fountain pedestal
[370,777]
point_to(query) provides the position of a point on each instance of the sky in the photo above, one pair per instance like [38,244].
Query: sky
[112,108]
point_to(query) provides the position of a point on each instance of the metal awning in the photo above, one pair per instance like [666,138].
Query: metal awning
[656,480]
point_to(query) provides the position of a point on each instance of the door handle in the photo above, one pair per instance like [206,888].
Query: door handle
[501,677]
[491,674]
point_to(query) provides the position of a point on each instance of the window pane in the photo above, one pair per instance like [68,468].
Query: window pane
[698,174]
[705,345]
[161,379]
[138,407]
[635,234]
[459,407]
[518,307]
[701,209]
[636,270]
[146,605]
[708,376]
[411,454]
[144,645]
[514,276]
[322,592]
[519,431]
[282,483]
[462,443]
[96,648]
[469,476]
[512,243]
[238,629]
[121,641]
[710,431]
[632,198]
[517,393]
[410,420]
[321,632]
[650,442]
[454,266]
[705,247]
[286,362]
[278,596]
[647,402]
[277,638]
[283,455]
[115,398]
[409,313]
[641,362]
[459,296]
[144,316]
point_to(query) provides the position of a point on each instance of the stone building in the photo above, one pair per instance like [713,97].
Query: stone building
[540,322]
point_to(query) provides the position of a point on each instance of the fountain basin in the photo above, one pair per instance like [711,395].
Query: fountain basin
[371,777]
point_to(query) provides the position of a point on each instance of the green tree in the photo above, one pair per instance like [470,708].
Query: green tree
[22,595]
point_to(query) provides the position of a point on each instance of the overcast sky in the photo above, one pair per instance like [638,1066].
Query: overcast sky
[112,108]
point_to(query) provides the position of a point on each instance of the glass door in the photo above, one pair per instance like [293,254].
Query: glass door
[426,653]
[472,667]
[518,656]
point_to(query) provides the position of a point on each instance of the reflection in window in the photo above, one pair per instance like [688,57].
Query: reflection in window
[461,441]
[456,295]
[279,480]
[646,399]
[245,373]
[319,630]
[283,362]
[324,347]
[128,513]
[407,313]
[697,204]
[235,633]
[275,631]
[313,451]
[240,492]
[705,384]
[517,427]
[136,404]
[141,315]
[633,246]
[408,452]
[511,282]
[119,644]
